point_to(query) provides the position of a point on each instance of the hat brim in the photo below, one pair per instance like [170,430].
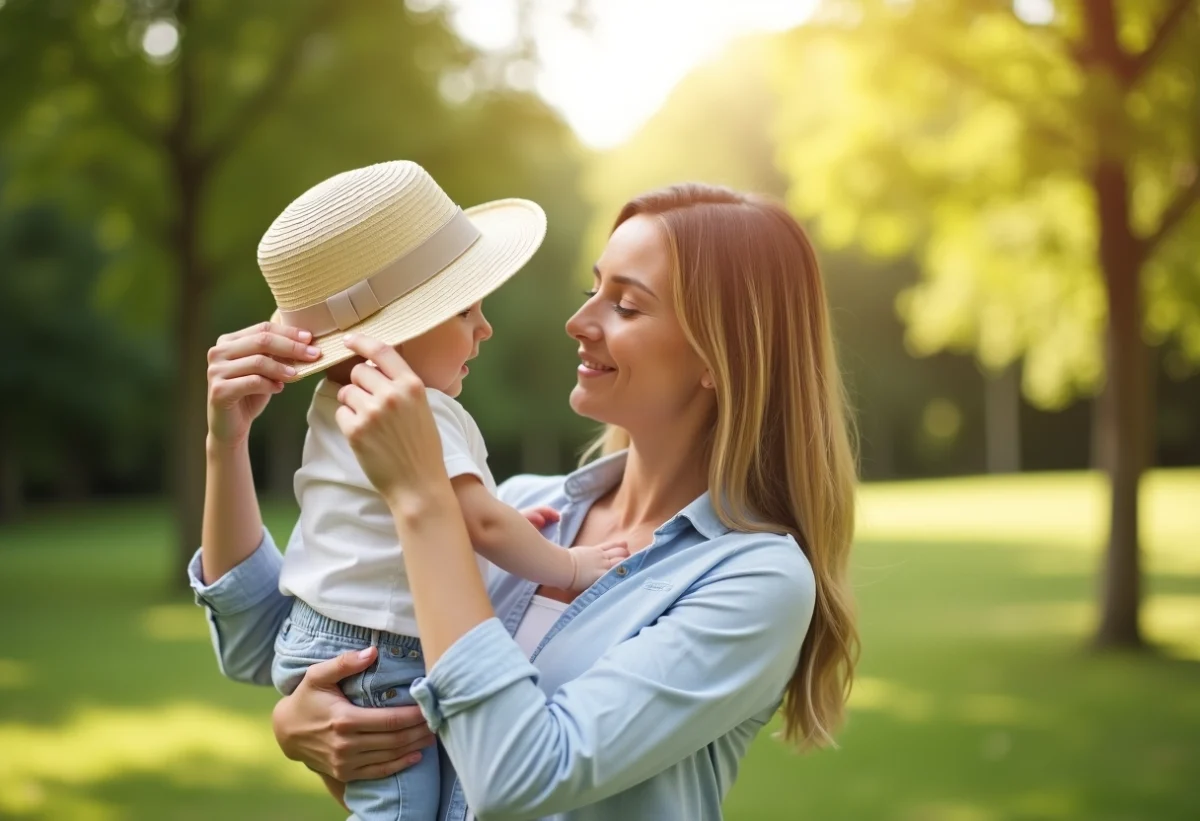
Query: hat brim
[511,230]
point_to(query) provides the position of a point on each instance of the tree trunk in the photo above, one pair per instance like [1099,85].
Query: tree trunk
[1124,425]
[1101,413]
[191,315]
[12,478]
[191,337]
[1002,420]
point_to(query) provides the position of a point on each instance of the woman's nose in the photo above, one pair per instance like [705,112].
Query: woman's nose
[582,324]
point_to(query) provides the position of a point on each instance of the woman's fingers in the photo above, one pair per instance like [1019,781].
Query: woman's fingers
[385,357]
[298,334]
[327,674]
[354,398]
[384,770]
[381,756]
[254,365]
[263,342]
[368,377]
[407,722]
[228,391]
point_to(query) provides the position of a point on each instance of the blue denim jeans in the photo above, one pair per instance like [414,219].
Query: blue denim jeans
[305,638]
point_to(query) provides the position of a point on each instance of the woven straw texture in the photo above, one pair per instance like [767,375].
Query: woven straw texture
[351,226]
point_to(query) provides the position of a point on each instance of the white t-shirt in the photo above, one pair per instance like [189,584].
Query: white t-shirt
[347,564]
[542,614]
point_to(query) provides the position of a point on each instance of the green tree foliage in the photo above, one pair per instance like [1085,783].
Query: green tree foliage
[177,130]
[1043,167]
[77,382]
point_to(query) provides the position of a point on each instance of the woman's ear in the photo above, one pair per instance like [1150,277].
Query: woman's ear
[706,380]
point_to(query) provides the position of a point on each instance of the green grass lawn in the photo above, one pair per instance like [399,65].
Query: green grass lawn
[977,698]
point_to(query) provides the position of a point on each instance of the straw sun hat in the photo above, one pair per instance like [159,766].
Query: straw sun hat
[384,252]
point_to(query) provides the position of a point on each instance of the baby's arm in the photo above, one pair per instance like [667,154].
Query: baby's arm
[506,538]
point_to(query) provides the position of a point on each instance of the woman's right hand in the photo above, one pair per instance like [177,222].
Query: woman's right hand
[318,726]
[245,369]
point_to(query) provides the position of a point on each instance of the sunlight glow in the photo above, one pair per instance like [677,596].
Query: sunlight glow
[611,79]
[1035,12]
[160,40]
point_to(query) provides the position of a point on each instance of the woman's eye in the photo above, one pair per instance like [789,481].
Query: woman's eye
[616,306]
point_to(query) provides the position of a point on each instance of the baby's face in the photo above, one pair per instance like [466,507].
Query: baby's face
[439,356]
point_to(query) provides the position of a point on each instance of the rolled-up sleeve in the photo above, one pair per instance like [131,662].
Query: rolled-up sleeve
[721,655]
[244,609]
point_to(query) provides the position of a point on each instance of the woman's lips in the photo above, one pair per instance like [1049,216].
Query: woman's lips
[590,368]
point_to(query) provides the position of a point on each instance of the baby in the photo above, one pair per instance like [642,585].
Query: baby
[383,251]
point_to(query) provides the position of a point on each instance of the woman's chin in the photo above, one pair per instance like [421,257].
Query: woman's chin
[584,404]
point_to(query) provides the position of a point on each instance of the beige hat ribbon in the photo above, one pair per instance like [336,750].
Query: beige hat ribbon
[362,299]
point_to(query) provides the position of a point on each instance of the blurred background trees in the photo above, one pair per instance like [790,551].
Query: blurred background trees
[997,188]
[1003,194]
[173,132]
[1041,160]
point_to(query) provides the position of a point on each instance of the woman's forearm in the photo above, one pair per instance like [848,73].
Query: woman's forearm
[233,525]
[448,593]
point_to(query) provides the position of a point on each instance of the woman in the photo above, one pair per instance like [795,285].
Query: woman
[728,471]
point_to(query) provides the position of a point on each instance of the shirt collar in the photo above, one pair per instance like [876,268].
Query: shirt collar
[597,478]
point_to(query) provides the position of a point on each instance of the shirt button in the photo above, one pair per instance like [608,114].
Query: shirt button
[389,695]
[622,571]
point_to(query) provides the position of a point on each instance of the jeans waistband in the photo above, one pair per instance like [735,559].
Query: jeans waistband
[309,620]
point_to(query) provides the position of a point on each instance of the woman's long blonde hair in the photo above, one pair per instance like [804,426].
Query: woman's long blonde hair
[750,298]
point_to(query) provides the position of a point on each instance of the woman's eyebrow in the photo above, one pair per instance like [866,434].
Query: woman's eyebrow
[625,280]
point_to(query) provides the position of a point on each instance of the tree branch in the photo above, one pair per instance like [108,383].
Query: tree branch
[257,104]
[1036,122]
[935,54]
[1143,62]
[135,121]
[1173,213]
[1101,47]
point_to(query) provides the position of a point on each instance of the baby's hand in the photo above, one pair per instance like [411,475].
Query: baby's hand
[541,516]
[593,561]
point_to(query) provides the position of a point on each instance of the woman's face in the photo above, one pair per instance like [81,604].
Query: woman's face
[637,369]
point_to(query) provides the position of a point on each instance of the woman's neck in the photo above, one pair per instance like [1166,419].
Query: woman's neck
[661,478]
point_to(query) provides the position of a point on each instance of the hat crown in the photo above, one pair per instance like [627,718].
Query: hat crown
[349,227]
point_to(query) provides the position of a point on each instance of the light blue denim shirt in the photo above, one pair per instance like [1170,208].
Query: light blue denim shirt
[638,704]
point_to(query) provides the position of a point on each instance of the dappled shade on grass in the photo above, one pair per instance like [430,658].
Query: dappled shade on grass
[977,701]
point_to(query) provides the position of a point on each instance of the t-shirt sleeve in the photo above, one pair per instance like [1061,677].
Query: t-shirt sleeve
[456,452]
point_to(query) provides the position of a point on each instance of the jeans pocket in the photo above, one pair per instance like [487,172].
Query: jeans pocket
[295,651]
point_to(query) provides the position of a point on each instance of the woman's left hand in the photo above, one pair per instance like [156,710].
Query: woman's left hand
[317,725]
[386,417]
